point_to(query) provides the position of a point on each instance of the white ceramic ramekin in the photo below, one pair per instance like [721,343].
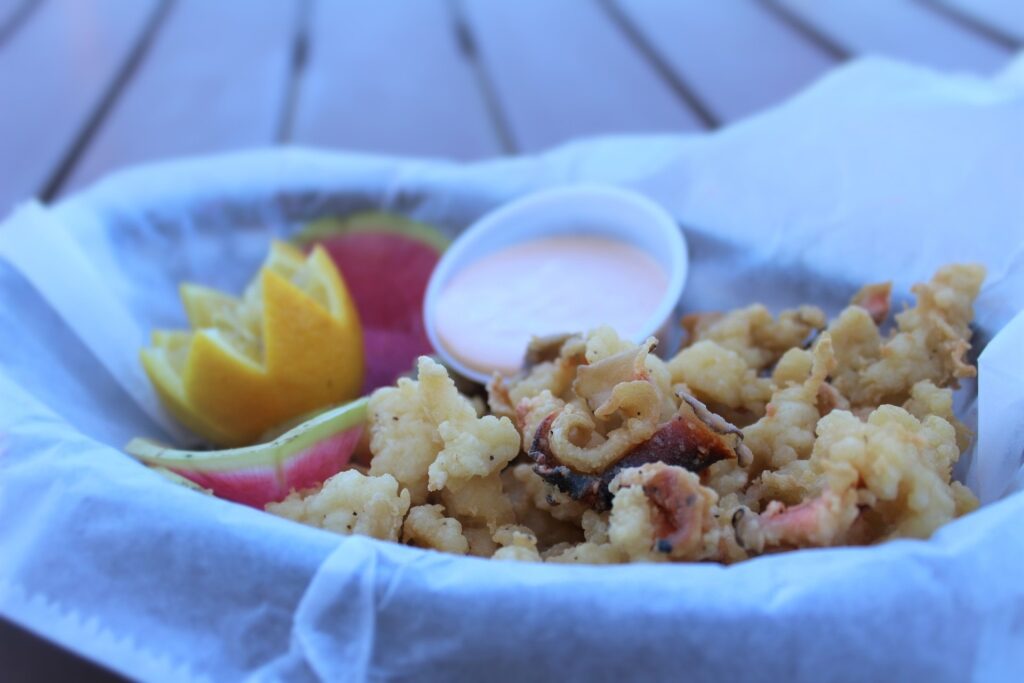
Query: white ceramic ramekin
[573,210]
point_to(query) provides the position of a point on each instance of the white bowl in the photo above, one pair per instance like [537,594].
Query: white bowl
[603,211]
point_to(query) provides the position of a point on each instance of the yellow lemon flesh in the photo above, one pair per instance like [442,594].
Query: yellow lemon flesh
[290,345]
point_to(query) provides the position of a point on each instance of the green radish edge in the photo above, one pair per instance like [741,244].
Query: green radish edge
[370,221]
[294,441]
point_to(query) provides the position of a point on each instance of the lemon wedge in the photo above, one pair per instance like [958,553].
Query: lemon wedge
[291,344]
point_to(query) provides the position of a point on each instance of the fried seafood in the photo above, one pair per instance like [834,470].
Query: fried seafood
[693,439]
[553,516]
[786,432]
[479,501]
[761,435]
[752,333]
[875,299]
[516,543]
[350,503]
[930,341]
[662,512]
[427,527]
[615,406]
[816,522]
[721,378]
[892,474]
[428,436]
[554,376]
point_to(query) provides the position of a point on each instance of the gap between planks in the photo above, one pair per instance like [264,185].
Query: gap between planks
[972,24]
[95,119]
[296,71]
[466,41]
[659,64]
[807,30]
[16,19]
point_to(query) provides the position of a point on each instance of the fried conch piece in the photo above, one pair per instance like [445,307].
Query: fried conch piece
[403,438]
[887,477]
[818,522]
[596,549]
[588,553]
[428,436]
[874,299]
[554,517]
[546,497]
[551,364]
[661,512]
[786,432]
[721,378]
[557,374]
[534,411]
[350,503]
[928,399]
[427,527]
[929,343]
[904,462]
[472,446]
[516,543]
[753,334]
[694,439]
[616,389]
[479,501]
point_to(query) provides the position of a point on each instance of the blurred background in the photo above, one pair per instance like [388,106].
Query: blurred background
[94,85]
[90,86]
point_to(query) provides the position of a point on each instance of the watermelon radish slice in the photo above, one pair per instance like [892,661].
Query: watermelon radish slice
[300,458]
[386,261]
[180,480]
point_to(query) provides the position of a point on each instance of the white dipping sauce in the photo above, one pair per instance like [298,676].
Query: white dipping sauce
[488,311]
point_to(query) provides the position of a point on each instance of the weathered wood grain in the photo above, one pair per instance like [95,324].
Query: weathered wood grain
[564,69]
[54,72]
[736,56]
[904,29]
[389,76]
[214,79]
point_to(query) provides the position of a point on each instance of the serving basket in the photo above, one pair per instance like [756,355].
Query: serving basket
[879,172]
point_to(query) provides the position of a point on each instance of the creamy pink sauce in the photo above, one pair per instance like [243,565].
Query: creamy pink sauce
[488,311]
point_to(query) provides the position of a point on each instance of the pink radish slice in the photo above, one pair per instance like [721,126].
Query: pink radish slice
[300,458]
[320,462]
[386,262]
[255,486]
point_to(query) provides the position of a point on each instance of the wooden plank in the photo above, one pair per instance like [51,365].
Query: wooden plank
[903,29]
[12,13]
[54,71]
[736,55]
[214,79]
[388,76]
[563,69]
[1004,16]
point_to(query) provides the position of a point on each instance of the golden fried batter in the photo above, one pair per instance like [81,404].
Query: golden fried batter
[929,343]
[427,527]
[786,432]
[515,543]
[721,378]
[662,512]
[350,503]
[598,451]
[893,470]
[753,334]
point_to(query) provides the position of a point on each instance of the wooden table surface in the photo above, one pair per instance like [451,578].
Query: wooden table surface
[94,85]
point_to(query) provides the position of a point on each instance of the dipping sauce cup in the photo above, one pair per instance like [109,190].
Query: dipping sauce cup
[559,261]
